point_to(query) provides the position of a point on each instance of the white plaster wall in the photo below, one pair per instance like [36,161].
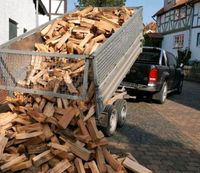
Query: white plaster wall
[196,20]
[196,23]
[44,19]
[21,11]
[195,50]
[168,41]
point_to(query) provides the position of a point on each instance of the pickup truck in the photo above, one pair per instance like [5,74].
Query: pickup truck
[155,74]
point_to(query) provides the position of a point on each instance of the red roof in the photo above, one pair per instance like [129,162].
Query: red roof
[151,26]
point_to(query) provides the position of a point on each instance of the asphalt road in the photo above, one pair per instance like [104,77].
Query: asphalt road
[165,138]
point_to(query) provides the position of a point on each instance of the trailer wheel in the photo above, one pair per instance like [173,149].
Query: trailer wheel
[111,118]
[121,107]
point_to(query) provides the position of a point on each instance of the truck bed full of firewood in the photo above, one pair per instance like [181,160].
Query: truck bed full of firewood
[81,32]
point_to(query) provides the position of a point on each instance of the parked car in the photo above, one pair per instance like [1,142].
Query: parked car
[155,73]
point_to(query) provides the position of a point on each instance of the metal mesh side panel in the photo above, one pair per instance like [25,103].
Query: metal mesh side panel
[16,69]
[3,93]
[113,50]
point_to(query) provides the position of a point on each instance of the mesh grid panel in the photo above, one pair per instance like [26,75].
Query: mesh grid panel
[112,51]
[42,75]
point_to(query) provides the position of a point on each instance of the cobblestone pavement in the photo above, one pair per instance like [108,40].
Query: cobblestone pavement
[165,138]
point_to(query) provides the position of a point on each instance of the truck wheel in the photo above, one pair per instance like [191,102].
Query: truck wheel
[162,95]
[111,117]
[121,107]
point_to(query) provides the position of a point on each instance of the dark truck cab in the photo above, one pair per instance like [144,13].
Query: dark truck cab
[155,73]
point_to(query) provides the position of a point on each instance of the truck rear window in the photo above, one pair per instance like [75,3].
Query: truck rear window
[149,56]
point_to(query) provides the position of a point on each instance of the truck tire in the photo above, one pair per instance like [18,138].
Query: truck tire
[162,95]
[111,117]
[121,107]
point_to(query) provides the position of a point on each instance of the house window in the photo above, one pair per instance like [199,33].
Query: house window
[25,30]
[198,40]
[12,29]
[177,14]
[183,12]
[178,41]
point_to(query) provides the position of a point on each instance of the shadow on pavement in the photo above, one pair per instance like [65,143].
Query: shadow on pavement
[190,96]
[159,155]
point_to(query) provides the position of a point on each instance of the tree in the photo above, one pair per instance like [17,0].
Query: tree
[184,56]
[101,3]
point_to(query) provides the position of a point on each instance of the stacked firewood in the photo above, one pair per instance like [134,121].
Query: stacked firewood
[81,32]
[48,135]
[59,75]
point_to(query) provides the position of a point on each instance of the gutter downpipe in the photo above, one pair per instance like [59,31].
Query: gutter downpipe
[37,13]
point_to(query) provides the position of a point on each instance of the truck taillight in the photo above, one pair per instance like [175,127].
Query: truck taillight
[153,75]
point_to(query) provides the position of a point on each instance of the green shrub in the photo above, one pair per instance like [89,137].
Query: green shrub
[184,56]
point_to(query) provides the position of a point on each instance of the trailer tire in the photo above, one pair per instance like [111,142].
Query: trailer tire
[121,107]
[111,116]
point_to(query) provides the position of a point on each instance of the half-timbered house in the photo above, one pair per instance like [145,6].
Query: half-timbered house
[179,23]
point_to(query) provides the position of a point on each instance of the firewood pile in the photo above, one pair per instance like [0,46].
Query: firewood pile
[81,32]
[44,135]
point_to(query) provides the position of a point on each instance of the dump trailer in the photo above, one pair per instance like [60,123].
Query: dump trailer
[109,63]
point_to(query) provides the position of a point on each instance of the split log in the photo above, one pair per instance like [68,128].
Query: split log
[42,158]
[93,167]
[60,167]
[79,165]
[135,167]
[37,149]
[6,118]
[100,160]
[10,164]
[81,152]
[59,147]
[49,109]
[69,83]
[67,118]
[3,142]
[21,166]
[63,39]
[27,135]
[111,160]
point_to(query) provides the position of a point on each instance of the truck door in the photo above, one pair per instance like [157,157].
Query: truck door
[172,67]
[177,72]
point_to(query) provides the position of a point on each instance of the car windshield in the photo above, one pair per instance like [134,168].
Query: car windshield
[149,56]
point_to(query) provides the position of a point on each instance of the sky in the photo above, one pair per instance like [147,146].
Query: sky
[150,7]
